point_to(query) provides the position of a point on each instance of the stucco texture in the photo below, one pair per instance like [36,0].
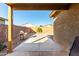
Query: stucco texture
[66,26]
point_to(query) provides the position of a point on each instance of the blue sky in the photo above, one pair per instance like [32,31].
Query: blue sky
[35,17]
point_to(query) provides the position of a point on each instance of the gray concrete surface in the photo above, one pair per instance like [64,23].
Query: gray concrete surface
[42,47]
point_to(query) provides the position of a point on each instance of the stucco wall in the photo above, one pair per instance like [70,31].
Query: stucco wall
[46,29]
[66,26]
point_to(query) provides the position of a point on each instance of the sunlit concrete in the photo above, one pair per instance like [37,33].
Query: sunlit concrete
[30,48]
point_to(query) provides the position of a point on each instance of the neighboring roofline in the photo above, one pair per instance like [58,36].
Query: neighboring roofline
[3,19]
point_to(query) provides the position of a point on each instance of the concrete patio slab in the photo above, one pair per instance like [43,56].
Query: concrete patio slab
[46,48]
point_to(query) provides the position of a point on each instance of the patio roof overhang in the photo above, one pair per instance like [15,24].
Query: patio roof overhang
[55,13]
[40,6]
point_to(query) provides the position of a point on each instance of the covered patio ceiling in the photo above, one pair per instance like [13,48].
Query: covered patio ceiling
[40,6]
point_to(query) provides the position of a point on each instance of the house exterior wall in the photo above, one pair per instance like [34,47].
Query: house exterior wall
[66,26]
[2,22]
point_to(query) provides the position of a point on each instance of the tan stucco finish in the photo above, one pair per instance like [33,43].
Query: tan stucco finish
[66,26]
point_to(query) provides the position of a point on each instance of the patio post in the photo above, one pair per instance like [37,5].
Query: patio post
[10,28]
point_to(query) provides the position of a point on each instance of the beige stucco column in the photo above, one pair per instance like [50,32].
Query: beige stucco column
[10,29]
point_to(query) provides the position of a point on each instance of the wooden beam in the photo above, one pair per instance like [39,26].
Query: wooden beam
[55,13]
[10,28]
[40,6]
[52,13]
